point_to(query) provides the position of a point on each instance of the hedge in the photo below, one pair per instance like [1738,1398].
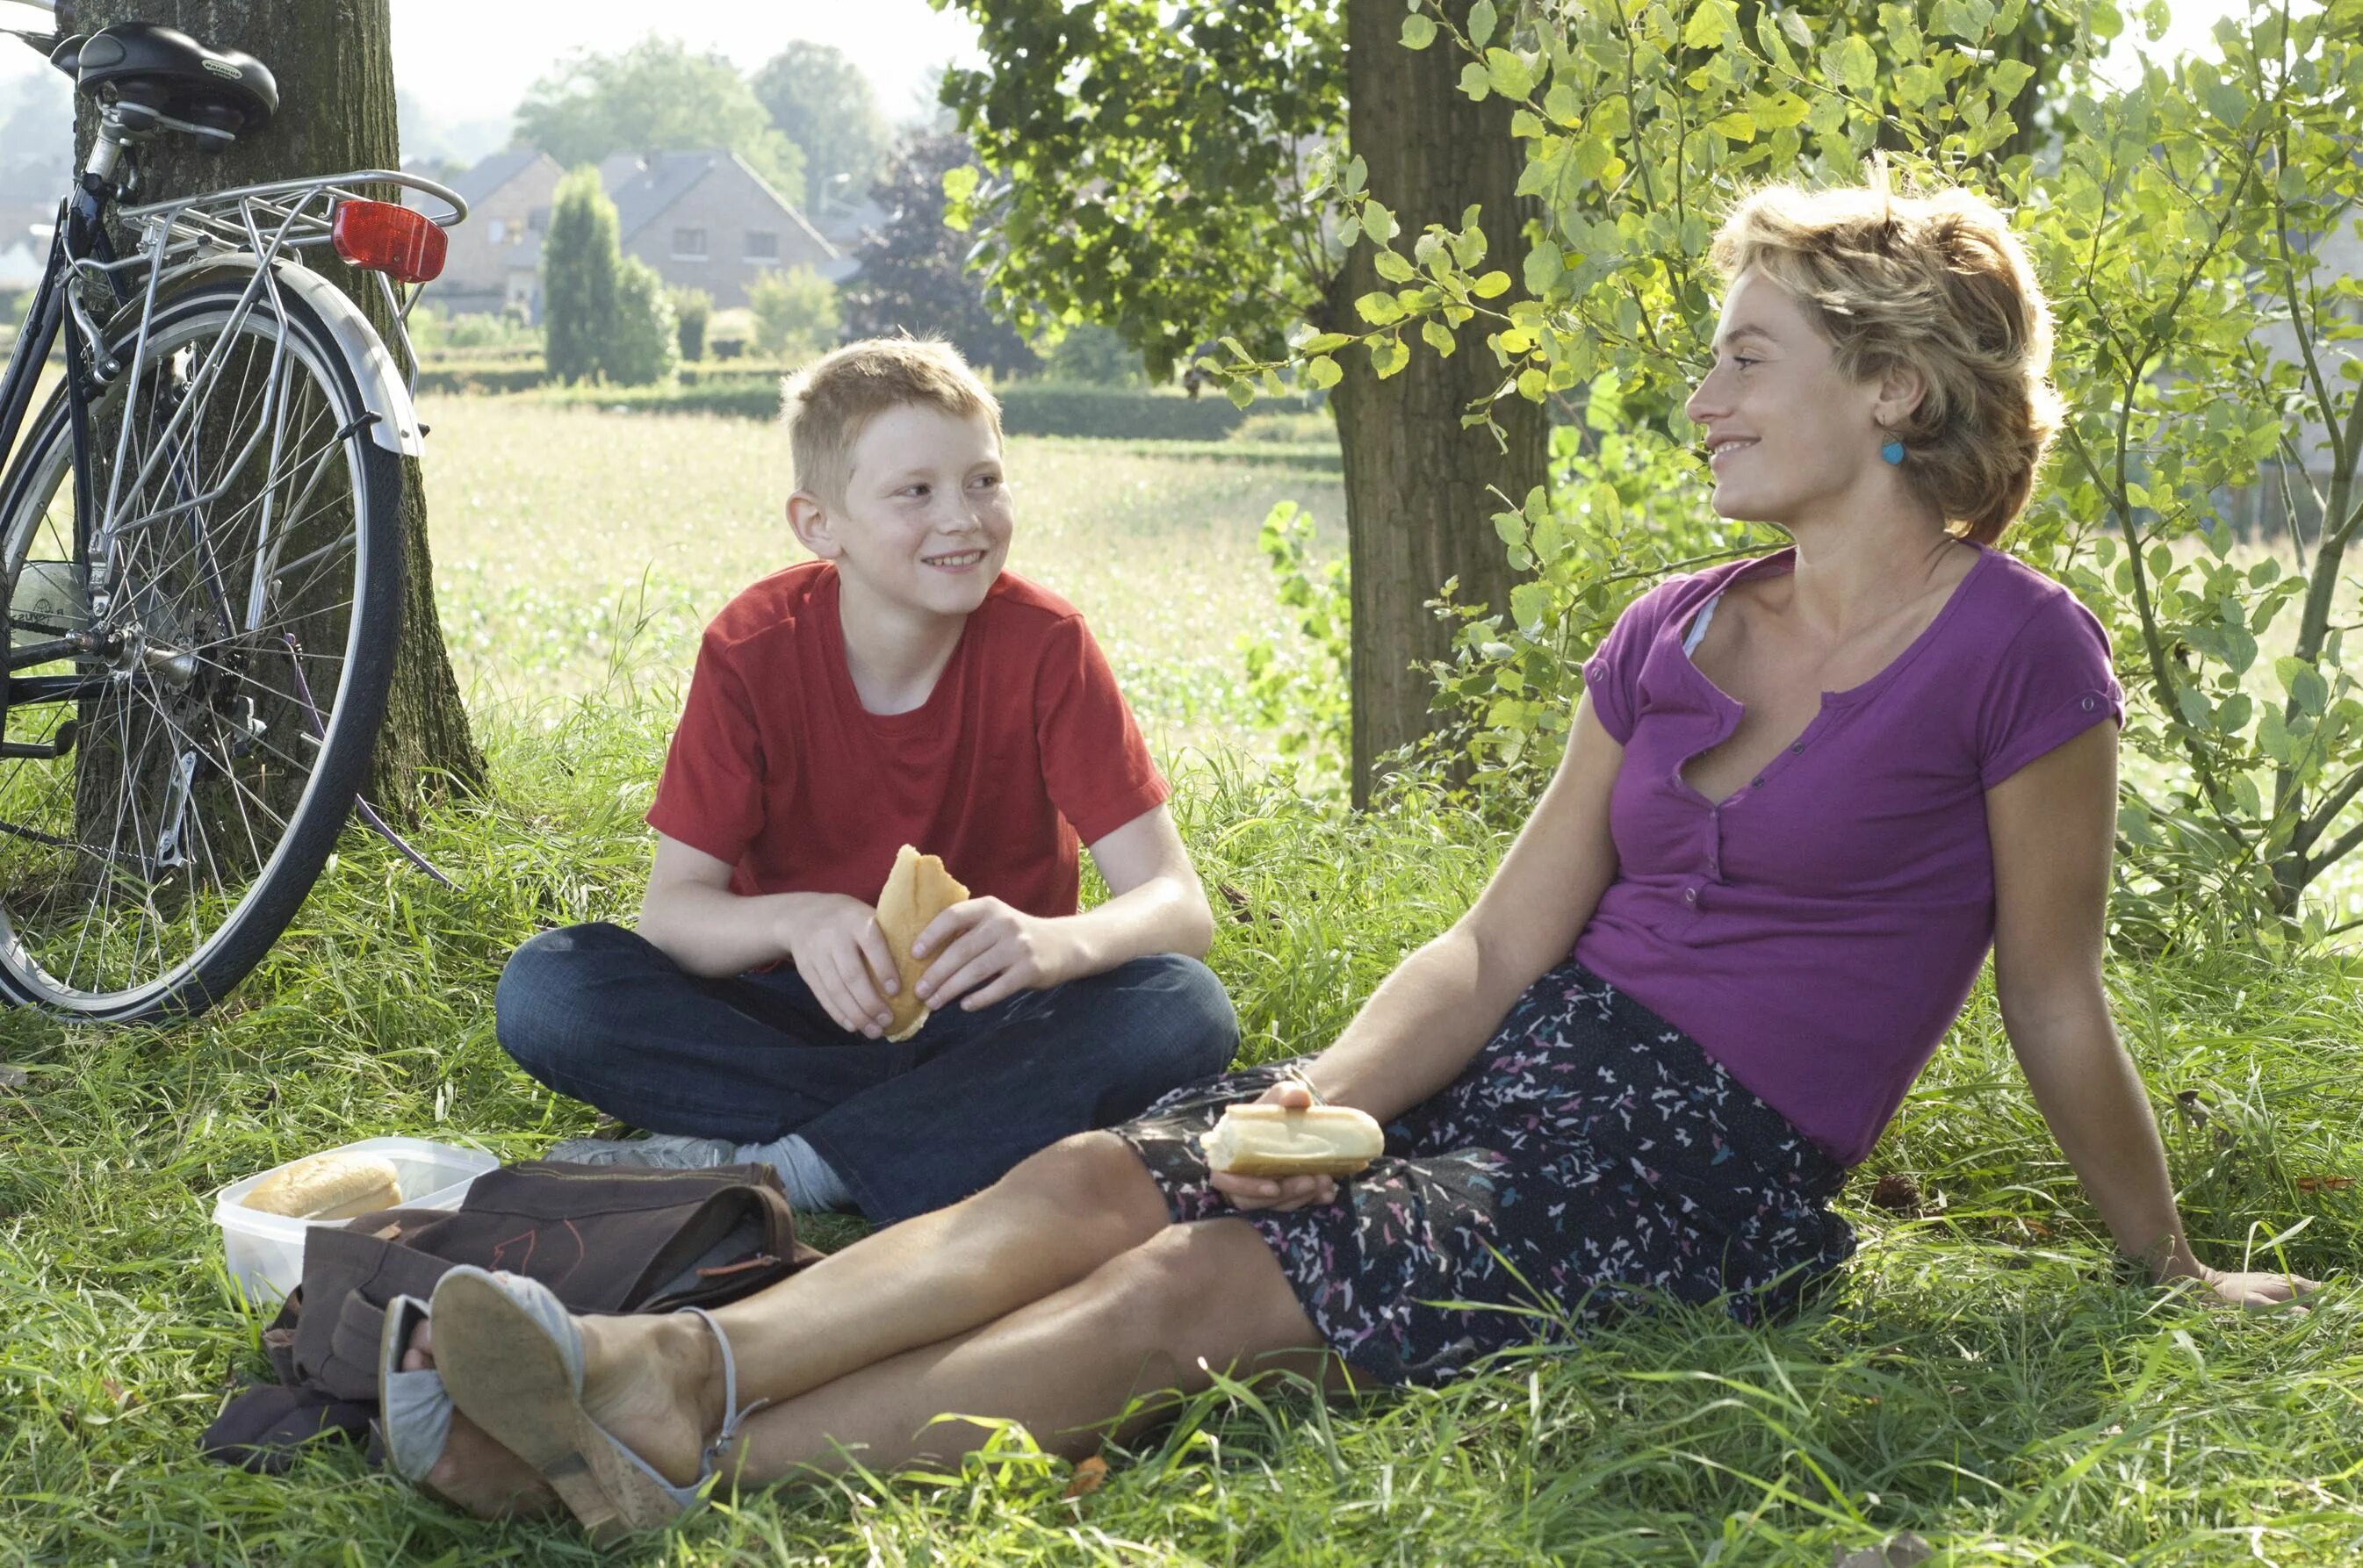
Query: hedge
[1027,409]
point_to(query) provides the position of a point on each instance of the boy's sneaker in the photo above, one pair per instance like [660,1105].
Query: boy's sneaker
[658,1151]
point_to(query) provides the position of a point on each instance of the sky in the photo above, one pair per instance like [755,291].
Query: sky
[471,60]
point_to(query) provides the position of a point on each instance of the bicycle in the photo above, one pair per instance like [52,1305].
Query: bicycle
[200,543]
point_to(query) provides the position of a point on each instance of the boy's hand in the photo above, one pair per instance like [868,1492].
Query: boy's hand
[836,946]
[984,950]
[1285,1193]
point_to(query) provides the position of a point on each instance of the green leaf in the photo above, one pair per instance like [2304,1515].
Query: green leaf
[1379,223]
[1793,23]
[1482,16]
[1439,338]
[1858,67]
[1477,81]
[1241,392]
[1713,23]
[1511,75]
[1543,267]
[1379,308]
[1393,268]
[1532,386]
[1737,126]
[960,182]
[1774,111]
[1322,371]
[1418,32]
[1354,176]
[1529,604]
[1562,105]
[1492,285]
[1389,355]
[2304,684]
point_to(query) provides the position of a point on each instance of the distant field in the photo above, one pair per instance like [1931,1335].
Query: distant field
[566,539]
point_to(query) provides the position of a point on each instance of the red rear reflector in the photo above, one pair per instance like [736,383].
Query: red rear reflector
[406,246]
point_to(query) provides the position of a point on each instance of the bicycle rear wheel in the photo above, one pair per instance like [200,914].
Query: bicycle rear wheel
[177,773]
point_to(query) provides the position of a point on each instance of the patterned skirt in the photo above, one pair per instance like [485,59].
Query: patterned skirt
[1591,1159]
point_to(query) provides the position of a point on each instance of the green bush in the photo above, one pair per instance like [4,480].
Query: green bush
[730,333]
[795,312]
[642,345]
[579,267]
[1095,356]
[692,308]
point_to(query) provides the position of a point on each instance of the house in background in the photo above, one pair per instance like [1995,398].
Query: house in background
[704,220]
[494,262]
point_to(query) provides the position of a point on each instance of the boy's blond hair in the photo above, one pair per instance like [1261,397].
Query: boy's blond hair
[829,402]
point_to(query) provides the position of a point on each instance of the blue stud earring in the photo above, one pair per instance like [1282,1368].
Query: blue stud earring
[1893,453]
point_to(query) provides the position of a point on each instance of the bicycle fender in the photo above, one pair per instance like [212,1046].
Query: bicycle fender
[384,391]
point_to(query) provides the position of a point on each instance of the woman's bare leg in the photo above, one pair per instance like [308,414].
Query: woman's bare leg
[1047,1224]
[1154,1319]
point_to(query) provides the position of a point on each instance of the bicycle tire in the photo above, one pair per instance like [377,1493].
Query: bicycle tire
[237,727]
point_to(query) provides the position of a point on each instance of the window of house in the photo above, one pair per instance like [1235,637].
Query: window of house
[689,243]
[762,245]
[497,231]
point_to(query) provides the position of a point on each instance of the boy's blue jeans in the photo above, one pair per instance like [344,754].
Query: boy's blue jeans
[596,1012]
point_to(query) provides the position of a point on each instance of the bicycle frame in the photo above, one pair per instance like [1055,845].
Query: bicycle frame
[261,230]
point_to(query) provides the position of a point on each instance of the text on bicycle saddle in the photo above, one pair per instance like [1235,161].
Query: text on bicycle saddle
[166,69]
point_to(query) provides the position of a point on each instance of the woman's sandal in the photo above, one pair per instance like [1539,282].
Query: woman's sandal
[512,1358]
[414,1407]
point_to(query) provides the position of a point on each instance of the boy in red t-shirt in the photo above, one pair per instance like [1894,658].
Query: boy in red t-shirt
[901,689]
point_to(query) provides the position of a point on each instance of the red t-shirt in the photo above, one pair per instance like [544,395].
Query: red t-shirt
[1024,751]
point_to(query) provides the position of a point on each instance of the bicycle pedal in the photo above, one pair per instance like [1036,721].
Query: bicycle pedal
[60,741]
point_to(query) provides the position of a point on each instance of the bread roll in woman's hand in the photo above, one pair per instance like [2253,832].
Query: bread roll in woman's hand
[329,1187]
[916,891]
[1281,1140]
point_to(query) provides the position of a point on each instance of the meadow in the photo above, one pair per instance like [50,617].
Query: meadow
[1981,1378]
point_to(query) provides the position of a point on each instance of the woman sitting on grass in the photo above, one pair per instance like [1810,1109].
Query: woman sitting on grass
[1802,796]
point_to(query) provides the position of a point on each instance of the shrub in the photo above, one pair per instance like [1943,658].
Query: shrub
[1092,355]
[641,348]
[795,312]
[692,308]
[579,267]
[729,332]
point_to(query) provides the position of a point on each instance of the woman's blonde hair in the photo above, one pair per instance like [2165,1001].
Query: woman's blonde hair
[1932,282]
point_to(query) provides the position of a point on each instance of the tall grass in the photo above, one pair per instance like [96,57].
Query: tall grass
[1980,1376]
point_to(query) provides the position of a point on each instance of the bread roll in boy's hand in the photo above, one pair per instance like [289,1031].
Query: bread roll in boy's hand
[916,891]
[329,1187]
[1282,1141]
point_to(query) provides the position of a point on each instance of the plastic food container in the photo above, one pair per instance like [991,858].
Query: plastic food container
[266,1251]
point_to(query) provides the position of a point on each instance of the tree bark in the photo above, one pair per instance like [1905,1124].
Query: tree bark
[333,63]
[1419,487]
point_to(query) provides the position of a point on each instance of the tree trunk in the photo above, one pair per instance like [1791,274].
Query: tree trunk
[1419,499]
[333,63]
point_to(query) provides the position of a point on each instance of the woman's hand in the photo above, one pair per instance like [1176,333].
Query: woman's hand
[1283,1194]
[987,950]
[842,955]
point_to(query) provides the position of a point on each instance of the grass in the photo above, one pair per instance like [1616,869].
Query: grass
[1979,1376]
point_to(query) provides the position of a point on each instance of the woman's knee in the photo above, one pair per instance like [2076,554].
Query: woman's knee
[1208,1292]
[1091,1186]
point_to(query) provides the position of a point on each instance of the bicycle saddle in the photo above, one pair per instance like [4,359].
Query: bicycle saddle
[162,69]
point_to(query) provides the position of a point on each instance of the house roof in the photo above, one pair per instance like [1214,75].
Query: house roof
[495,172]
[643,193]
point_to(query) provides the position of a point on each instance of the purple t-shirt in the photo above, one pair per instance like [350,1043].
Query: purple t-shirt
[1818,931]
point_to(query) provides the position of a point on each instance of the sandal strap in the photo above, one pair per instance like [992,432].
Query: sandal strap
[733,1414]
